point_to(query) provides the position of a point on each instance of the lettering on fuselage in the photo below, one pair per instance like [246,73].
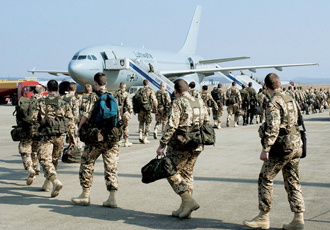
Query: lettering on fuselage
[132,77]
[141,55]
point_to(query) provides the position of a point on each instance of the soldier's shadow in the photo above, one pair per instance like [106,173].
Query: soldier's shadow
[139,218]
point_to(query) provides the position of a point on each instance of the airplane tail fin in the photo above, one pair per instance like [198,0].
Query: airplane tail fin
[189,46]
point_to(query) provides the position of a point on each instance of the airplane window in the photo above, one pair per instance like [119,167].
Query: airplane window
[82,57]
[75,57]
[89,57]
[94,58]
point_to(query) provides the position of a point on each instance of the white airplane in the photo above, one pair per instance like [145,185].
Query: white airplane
[132,65]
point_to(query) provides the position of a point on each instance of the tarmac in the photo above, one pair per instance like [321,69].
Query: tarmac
[225,185]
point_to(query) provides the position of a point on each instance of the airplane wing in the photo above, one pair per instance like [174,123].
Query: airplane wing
[226,70]
[222,60]
[55,72]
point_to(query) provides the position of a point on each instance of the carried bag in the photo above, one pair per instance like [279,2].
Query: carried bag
[186,138]
[18,133]
[158,168]
[207,134]
[71,154]
[89,134]
[257,110]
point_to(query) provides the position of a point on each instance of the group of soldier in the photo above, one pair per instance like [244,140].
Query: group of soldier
[59,117]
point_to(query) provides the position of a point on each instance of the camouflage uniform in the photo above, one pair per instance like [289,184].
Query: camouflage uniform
[262,100]
[164,101]
[194,93]
[245,104]
[220,101]
[281,115]
[82,104]
[181,115]
[209,102]
[109,151]
[232,108]
[253,102]
[144,117]
[51,146]
[125,109]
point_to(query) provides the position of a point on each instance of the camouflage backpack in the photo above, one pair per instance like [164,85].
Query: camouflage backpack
[58,125]
[208,102]
[82,107]
[141,100]
[162,100]
[233,97]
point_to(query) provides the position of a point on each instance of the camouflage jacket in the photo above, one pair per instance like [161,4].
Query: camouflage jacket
[82,104]
[194,93]
[181,116]
[236,92]
[277,113]
[222,96]
[245,98]
[73,102]
[124,98]
[253,96]
[163,98]
[151,95]
[39,115]
[262,100]
[208,100]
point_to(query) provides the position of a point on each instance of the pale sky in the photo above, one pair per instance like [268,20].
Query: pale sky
[46,34]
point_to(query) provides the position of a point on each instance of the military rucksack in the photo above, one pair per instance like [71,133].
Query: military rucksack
[82,107]
[120,98]
[216,95]
[208,102]
[141,100]
[58,125]
[233,97]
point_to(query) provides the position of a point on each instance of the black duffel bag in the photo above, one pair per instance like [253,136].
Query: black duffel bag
[158,168]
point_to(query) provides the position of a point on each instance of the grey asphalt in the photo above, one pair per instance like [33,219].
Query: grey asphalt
[225,186]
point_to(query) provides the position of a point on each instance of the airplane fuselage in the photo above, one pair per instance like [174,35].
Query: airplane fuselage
[87,62]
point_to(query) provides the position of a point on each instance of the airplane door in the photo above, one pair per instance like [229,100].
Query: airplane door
[109,55]
[191,62]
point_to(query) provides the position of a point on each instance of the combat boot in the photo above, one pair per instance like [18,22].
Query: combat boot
[189,205]
[145,141]
[140,137]
[296,223]
[46,186]
[31,176]
[127,143]
[155,133]
[57,186]
[111,201]
[215,125]
[83,199]
[219,125]
[177,212]
[260,221]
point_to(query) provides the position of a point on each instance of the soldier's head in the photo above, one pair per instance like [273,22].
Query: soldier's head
[272,81]
[88,89]
[205,87]
[192,85]
[180,87]
[233,83]
[163,85]
[100,80]
[72,87]
[122,86]
[219,86]
[146,82]
[52,86]
[39,89]
[243,86]
[260,91]
[250,84]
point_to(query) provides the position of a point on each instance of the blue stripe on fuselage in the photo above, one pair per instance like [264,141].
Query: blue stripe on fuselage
[234,79]
[152,81]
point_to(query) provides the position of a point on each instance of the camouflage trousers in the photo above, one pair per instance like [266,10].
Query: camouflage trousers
[161,118]
[110,155]
[126,117]
[217,114]
[291,175]
[184,161]
[232,109]
[145,120]
[50,149]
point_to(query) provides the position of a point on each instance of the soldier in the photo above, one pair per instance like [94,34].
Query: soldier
[55,118]
[84,99]
[220,98]
[262,100]
[73,102]
[282,149]
[108,148]
[253,101]
[125,108]
[233,102]
[192,90]
[186,111]
[147,99]
[245,104]
[164,102]
[151,68]
[208,101]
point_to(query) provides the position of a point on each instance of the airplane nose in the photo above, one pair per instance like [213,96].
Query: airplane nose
[76,70]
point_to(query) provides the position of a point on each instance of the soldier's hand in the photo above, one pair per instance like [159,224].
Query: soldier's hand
[160,151]
[264,155]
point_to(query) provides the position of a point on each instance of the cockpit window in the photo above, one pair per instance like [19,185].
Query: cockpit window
[89,57]
[81,57]
[75,57]
[94,58]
